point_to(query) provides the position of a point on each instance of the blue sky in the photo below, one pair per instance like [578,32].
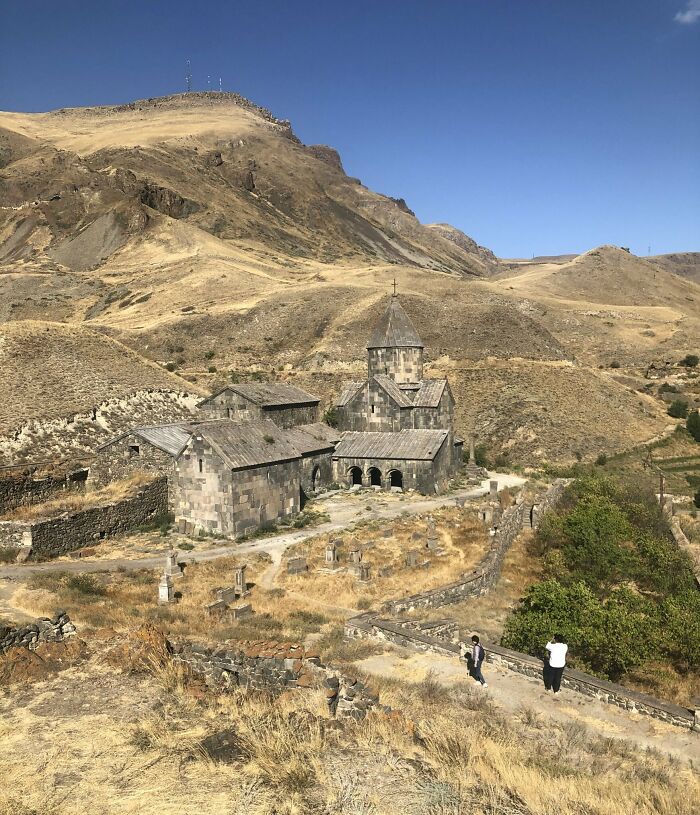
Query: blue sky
[536,126]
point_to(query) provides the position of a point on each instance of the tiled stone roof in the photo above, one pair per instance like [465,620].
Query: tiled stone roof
[348,393]
[429,393]
[422,445]
[395,329]
[312,438]
[269,394]
[393,390]
[170,438]
[247,444]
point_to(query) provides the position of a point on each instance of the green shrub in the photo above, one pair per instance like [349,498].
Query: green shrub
[85,584]
[665,387]
[212,369]
[678,409]
[210,355]
[601,459]
[8,554]
[690,360]
[269,439]
[330,417]
[614,364]
[170,366]
[693,425]
[696,499]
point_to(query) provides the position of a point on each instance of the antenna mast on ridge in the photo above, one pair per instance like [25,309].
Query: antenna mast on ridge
[220,89]
[188,77]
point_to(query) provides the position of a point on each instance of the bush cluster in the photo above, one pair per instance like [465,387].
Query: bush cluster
[618,587]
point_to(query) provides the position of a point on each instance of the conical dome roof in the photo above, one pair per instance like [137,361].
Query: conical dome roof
[395,329]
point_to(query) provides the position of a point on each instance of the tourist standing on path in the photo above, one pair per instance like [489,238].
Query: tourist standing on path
[476,657]
[554,666]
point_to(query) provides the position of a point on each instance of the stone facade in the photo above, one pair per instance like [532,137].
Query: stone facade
[125,456]
[285,405]
[403,365]
[50,537]
[212,496]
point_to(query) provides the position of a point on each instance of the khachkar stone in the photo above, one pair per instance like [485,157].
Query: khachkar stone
[432,541]
[166,593]
[355,555]
[297,565]
[172,567]
[412,558]
[332,555]
[493,489]
[363,574]
[239,581]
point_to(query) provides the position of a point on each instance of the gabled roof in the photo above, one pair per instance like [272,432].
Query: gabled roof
[395,329]
[170,438]
[412,445]
[312,438]
[393,390]
[348,393]
[430,393]
[247,444]
[268,394]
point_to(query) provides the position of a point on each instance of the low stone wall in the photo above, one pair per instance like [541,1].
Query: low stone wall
[45,629]
[26,485]
[369,626]
[275,666]
[51,537]
[487,573]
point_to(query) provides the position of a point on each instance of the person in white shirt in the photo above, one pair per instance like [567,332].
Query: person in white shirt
[556,662]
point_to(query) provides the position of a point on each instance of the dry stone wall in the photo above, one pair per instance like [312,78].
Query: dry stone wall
[50,537]
[45,629]
[25,486]
[488,571]
[275,667]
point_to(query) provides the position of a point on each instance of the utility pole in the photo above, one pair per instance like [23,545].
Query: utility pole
[220,90]
[188,78]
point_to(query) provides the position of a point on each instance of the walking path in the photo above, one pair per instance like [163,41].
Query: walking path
[344,510]
[515,694]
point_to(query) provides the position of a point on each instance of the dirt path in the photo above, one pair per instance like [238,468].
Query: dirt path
[344,510]
[514,693]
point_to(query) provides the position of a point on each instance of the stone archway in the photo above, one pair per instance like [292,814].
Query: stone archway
[396,479]
[355,476]
[375,477]
[315,478]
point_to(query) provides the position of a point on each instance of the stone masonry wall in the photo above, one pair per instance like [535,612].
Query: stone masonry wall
[369,626]
[25,486]
[45,629]
[51,537]
[275,666]
[488,571]
[117,461]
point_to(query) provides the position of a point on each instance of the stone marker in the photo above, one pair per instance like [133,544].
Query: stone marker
[493,489]
[172,567]
[332,555]
[227,595]
[412,557]
[433,544]
[385,571]
[355,555]
[362,572]
[166,593]
[216,609]
[239,581]
[242,610]
[297,565]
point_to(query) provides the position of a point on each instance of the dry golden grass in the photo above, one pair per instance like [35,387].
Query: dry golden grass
[76,502]
[139,744]
[462,537]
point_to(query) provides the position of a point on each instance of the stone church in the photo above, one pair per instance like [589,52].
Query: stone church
[258,450]
[398,428]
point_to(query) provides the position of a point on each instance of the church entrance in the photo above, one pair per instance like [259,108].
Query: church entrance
[315,477]
[355,476]
[396,479]
[375,477]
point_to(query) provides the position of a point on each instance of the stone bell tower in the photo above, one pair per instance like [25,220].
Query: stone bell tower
[395,349]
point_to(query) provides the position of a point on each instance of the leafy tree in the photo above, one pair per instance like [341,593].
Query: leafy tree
[693,425]
[678,409]
[330,417]
[690,360]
